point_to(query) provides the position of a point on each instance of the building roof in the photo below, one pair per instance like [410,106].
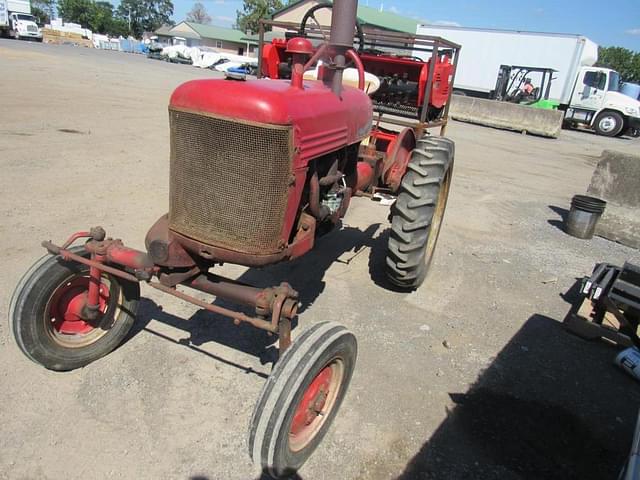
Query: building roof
[209,31]
[371,16]
[164,30]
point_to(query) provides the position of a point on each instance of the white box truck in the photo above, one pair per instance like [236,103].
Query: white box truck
[16,20]
[588,95]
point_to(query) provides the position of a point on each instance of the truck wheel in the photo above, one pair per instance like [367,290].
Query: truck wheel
[416,216]
[301,398]
[45,307]
[609,124]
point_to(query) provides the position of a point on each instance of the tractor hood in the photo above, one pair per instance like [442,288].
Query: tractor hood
[321,121]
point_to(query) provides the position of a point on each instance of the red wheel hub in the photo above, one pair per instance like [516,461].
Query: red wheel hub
[66,306]
[312,402]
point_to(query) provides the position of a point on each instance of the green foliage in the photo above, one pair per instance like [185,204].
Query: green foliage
[198,14]
[76,11]
[98,16]
[145,15]
[624,61]
[253,11]
[42,17]
[43,10]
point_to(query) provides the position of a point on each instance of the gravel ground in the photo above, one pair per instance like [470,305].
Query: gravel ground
[472,376]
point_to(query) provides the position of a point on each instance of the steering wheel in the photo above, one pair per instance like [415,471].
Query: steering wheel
[310,14]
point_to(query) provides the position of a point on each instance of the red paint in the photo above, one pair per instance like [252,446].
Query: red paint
[321,122]
[67,303]
[442,75]
[128,257]
[312,402]
[95,282]
[300,45]
[364,176]
[272,55]
[397,158]
[275,102]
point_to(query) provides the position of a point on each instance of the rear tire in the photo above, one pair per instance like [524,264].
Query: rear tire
[43,313]
[416,216]
[609,124]
[301,398]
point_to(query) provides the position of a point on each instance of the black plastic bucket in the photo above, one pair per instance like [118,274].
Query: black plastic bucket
[584,215]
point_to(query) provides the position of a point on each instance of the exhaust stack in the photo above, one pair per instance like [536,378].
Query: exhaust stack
[343,23]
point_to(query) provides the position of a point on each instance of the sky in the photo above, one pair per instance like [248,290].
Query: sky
[608,23]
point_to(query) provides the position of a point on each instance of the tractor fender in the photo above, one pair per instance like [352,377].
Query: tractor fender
[397,158]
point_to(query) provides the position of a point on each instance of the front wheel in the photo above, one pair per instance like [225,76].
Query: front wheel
[609,124]
[301,398]
[45,313]
[417,214]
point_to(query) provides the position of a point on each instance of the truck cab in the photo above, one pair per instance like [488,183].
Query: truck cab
[596,102]
[23,25]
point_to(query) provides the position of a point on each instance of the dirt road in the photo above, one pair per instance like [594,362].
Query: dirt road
[84,141]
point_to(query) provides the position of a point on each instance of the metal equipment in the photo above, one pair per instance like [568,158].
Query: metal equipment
[511,79]
[258,170]
[609,305]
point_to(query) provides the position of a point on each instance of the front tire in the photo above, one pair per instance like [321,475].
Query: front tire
[301,398]
[44,313]
[609,124]
[416,216]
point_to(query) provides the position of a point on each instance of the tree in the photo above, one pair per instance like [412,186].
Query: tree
[75,11]
[43,10]
[253,11]
[198,14]
[101,17]
[624,61]
[41,16]
[145,15]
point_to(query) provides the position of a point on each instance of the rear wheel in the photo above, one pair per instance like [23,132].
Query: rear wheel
[609,124]
[46,313]
[416,216]
[301,398]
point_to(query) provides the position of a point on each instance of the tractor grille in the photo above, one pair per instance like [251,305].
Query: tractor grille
[229,181]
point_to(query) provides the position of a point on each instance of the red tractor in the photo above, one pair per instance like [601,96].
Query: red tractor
[258,170]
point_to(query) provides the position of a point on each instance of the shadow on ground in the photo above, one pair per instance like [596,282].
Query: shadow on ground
[305,274]
[563,213]
[551,406]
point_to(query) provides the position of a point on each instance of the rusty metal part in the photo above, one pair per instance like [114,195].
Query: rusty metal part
[316,56]
[236,316]
[247,167]
[226,288]
[75,237]
[343,22]
[67,255]
[163,247]
[92,305]
[397,158]
[174,278]
[317,210]
[284,335]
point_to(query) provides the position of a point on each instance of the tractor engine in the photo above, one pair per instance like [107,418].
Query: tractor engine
[257,165]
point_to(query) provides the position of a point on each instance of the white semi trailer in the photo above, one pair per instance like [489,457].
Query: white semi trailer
[16,20]
[588,95]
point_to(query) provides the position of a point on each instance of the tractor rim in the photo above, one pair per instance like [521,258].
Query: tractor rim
[438,214]
[316,405]
[607,124]
[63,319]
